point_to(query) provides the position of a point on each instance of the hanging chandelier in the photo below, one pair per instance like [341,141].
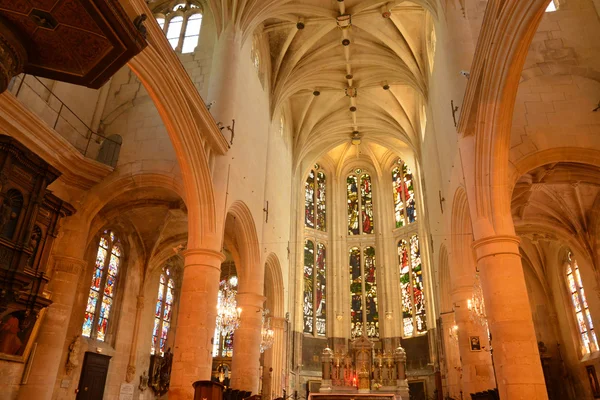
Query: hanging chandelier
[267,333]
[228,313]
[476,304]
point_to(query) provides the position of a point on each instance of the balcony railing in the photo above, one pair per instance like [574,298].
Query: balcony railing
[40,99]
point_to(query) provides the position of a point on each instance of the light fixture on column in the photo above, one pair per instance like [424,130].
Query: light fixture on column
[476,304]
[453,334]
[228,313]
[267,333]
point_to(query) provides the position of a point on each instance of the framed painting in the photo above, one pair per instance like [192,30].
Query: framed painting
[18,330]
[475,343]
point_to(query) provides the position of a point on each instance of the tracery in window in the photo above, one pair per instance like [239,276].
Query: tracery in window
[162,312]
[414,320]
[315,280]
[551,7]
[102,290]
[360,222]
[404,195]
[589,342]
[364,316]
[181,25]
[314,200]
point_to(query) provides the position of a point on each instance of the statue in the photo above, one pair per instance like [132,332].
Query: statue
[73,356]
[143,382]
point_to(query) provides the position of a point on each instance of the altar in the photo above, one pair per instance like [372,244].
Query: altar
[360,373]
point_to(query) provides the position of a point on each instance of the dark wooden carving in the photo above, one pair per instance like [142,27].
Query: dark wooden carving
[29,223]
[160,372]
[84,42]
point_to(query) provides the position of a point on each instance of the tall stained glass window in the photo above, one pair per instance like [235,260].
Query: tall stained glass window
[162,313]
[404,195]
[314,303]
[314,200]
[364,316]
[360,205]
[102,290]
[414,321]
[589,342]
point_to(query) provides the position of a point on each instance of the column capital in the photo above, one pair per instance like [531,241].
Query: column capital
[207,257]
[494,245]
[250,299]
[69,265]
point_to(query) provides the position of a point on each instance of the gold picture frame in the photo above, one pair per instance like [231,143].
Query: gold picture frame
[18,332]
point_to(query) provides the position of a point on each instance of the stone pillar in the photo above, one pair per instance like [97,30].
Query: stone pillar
[136,329]
[516,357]
[245,366]
[452,357]
[53,330]
[274,359]
[477,370]
[192,354]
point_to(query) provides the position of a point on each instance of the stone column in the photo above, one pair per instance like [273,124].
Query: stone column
[53,330]
[192,354]
[245,368]
[516,357]
[136,329]
[274,358]
[452,357]
[477,371]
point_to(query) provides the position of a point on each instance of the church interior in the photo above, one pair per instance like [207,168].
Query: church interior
[299,199]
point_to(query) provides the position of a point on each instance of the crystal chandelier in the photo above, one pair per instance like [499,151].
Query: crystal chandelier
[228,313]
[267,333]
[476,304]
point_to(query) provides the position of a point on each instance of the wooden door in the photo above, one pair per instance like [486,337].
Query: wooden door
[93,376]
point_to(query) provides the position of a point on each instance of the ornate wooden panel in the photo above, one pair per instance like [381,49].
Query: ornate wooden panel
[78,41]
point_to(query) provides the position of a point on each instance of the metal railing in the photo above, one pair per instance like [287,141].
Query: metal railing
[40,99]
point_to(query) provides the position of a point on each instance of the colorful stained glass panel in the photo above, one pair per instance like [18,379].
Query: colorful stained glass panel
[309,267]
[370,279]
[356,306]
[309,203]
[352,197]
[398,184]
[366,204]
[320,201]
[320,282]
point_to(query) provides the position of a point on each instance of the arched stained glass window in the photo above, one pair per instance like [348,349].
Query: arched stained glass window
[404,195]
[315,281]
[162,313]
[364,315]
[181,25]
[414,319]
[360,208]
[102,290]
[589,342]
[314,200]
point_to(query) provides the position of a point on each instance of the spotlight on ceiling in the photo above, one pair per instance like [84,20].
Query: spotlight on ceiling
[300,24]
[353,109]
[316,93]
[346,42]
[349,76]
[386,86]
